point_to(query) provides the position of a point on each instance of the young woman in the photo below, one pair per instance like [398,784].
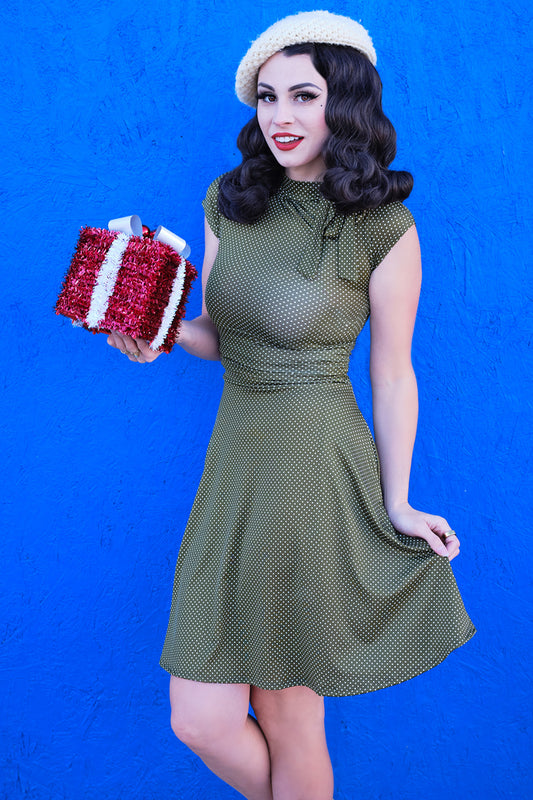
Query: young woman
[304,571]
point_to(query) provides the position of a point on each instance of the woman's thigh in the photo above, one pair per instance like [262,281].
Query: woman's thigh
[284,710]
[201,711]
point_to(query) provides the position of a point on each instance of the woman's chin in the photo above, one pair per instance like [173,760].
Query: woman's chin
[306,172]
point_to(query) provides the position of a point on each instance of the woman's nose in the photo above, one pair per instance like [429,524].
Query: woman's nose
[283,114]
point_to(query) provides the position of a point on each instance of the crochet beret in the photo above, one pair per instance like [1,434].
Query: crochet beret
[308,26]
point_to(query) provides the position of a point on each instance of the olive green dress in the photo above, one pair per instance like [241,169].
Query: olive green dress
[290,571]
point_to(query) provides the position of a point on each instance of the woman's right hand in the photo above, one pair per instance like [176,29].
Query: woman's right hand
[137,350]
[199,336]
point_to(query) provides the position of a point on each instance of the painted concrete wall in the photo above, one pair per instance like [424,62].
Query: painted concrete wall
[122,107]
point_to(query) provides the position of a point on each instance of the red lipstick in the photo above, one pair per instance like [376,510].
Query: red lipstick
[286,141]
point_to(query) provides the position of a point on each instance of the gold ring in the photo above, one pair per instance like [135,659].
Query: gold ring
[449,533]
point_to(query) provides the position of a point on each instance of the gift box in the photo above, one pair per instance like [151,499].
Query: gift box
[128,279]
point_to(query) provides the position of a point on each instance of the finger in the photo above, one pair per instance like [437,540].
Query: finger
[147,353]
[453,554]
[120,341]
[436,543]
[114,340]
[450,536]
[145,349]
[130,345]
[137,357]
[126,344]
[439,525]
[143,346]
[452,546]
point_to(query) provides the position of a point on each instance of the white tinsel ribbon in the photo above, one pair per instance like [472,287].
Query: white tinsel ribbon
[106,280]
[172,306]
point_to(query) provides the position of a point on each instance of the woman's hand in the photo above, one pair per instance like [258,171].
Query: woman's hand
[136,349]
[425,526]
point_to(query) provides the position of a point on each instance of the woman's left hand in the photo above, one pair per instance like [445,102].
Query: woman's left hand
[137,350]
[407,519]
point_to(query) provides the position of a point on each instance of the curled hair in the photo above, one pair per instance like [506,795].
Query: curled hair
[357,154]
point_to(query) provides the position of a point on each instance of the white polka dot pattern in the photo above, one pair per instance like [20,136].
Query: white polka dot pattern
[290,572]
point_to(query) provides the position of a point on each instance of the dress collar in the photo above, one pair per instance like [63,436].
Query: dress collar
[305,199]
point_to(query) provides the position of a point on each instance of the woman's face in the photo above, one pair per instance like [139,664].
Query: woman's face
[290,111]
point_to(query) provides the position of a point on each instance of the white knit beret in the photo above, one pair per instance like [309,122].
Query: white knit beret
[308,26]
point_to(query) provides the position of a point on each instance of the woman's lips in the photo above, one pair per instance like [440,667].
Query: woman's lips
[286,141]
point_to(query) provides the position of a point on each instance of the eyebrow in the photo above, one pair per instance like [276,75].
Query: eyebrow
[291,88]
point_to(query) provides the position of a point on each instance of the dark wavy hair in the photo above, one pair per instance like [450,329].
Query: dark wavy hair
[357,154]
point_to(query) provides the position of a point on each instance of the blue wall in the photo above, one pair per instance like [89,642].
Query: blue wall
[122,107]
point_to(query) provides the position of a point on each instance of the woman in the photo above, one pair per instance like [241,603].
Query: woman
[304,571]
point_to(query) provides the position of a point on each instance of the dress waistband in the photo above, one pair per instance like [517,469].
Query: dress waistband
[257,364]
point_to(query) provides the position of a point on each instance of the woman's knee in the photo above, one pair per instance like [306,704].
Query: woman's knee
[191,729]
[202,714]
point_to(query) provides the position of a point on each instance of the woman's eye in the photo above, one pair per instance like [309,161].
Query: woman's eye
[304,97]
[266,97]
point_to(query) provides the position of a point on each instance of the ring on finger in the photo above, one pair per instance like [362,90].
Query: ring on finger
[449,533]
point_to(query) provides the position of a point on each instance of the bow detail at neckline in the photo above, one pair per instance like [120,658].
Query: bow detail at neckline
[325,223]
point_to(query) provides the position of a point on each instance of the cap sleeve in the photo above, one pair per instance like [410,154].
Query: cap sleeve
[210,205]
[385,226]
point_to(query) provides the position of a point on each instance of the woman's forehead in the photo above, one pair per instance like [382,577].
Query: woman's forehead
[284,70]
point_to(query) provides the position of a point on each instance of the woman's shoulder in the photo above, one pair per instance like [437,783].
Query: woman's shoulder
[384,226]
[210,205]
[212,189]
[387,216]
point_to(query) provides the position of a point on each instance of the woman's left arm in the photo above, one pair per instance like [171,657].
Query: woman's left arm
[394,291]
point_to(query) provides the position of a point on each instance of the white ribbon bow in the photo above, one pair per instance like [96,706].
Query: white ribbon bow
[132,226]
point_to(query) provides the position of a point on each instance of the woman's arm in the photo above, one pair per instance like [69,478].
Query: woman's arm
[197,336]
[394,292]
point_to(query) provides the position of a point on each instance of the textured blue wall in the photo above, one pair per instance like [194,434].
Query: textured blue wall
[119,107]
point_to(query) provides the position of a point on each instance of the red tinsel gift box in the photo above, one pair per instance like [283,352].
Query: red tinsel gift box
[126,283]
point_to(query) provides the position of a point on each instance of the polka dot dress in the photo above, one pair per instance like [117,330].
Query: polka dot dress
[290,572]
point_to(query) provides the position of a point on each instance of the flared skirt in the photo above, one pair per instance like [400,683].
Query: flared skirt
[290,571]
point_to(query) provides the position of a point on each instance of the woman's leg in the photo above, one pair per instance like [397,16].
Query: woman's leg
[212,720]
[292,721]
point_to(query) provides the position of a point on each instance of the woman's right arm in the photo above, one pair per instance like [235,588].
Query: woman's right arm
[197,336]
